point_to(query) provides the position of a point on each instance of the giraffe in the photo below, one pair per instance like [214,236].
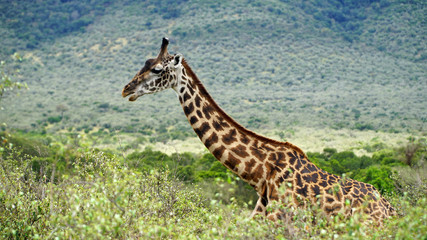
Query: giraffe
[264,163]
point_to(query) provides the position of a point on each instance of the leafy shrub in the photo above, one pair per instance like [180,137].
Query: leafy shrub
[54,119]
[103,198]
[23,204]
[358,168]
[379,176]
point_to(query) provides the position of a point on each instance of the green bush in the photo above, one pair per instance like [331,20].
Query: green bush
[105,198]
[379,176]
[54,119]
[102,199]
[359,168]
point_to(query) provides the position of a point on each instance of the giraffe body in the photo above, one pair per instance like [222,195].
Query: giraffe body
[263,163]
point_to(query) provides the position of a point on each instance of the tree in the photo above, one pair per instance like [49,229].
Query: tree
[61,108]
[414,150]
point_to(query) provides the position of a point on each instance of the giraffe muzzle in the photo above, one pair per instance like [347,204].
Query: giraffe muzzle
[127,91]
[131,90]
[133,96]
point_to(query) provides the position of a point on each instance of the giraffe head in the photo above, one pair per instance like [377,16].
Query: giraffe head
[157,74]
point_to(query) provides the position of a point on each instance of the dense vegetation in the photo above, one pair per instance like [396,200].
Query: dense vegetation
[345,64]
[55,189]
[77,162]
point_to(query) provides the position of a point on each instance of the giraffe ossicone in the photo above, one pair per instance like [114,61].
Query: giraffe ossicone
[264,163]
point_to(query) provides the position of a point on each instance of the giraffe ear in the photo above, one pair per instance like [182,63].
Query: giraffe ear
[177,60]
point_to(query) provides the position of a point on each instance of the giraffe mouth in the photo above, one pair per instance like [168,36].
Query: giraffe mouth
[133,96]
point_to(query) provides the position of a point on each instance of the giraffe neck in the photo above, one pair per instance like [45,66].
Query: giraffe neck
[240,150]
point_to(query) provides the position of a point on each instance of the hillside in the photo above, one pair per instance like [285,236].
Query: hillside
[344,80]
[272,65]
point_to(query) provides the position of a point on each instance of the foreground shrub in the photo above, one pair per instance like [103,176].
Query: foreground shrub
[103,199]
[24,207]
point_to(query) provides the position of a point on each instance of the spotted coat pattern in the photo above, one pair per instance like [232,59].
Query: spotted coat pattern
[263,163]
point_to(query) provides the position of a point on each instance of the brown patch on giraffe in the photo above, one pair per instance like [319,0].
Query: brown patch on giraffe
[218,152]
[212,139]
[199,114]
[371,196]
[333,208]
[297,159]
[356,191]
[267,148]
[186,97]
[323,183]
[217,126]
[190,89]
[309,168]
[202,129]
[249,165]
[258,152]
[298,164]
[197,101]
[191,85]
[193,120]
[338,196]
[274,196]
[230,137]
[374,206]
[258,172]
[312,167]
[240,150]
[231,162]
[243,138]
[278,159]
[208,110]
[271,170]
[188,109]
[292,157]
[312,178]
[223,123]
[323,176]
[331,180]
[298,180]
[287,173]
[346,187]
[245,176]
[279,181]
[316,190]
[303,190]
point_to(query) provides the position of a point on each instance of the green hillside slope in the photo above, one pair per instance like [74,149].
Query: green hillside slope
[270,64]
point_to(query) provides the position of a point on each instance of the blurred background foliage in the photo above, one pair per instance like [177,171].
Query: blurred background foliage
[344,64]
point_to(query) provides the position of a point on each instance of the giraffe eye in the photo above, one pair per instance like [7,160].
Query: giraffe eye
[157,69]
